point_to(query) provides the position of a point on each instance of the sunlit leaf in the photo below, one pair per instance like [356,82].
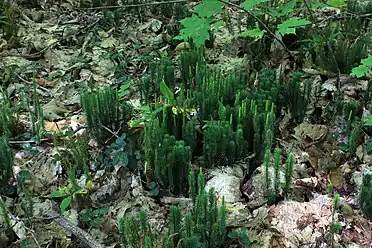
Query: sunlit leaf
[289,26]
[65,203]
[167,93]
[208,8]
[253,33]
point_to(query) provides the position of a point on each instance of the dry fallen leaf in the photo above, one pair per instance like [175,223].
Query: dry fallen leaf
[56,127]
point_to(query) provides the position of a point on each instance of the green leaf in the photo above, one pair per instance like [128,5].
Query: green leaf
[195,28]
[369,147]
[65,203]
[289,26]
[343,147]
[103,211]
[59,193]
[336,3]
[124,90]
[208,8]
[221,111]
[254,33]
[86,218]
[217,25]
[154,189]
[250,4]
[364,69]
[284,10]
[167,93]
[368,123]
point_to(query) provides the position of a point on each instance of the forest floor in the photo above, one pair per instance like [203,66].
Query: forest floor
[64,47]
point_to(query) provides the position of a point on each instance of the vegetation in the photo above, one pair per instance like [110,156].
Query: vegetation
[204,226]
[366,196]
[212,86]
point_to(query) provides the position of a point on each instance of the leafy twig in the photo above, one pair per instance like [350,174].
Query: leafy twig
[260,21]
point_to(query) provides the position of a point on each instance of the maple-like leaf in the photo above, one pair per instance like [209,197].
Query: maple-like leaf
[249,4]
[365,68]
[208,8]
[196,28]
[254,33]
[284,10]
[289,26]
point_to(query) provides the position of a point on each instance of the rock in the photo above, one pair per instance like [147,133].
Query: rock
[357,176]
[258,184]
[303,222]
[155,25]
[226,183]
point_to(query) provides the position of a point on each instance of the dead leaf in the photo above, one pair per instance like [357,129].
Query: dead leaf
[314,132]
[335,176]
[56,127]
[52,111]
[45,83]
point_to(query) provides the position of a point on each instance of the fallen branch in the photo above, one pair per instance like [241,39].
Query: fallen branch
[134,5]
[79,233]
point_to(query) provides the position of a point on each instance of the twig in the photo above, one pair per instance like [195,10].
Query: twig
[39,86]
[46,139]
[134,5]
[79,233]
[108,130]
[37,54]
[260,21]
[326,40]
[27,141]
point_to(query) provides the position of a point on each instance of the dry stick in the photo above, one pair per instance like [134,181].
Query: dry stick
[134,5]
[326,40]
[38,85]
[79,233]
[260,21]
[110,131]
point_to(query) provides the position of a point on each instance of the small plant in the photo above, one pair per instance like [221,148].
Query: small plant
[277,170]
[134,235]
[80,155]
[204,226]
[9,14]
[364,69]
[288,172]
[366,195]
[354,137]
[93,217]
[159,71]
[219,145]
[240,235]
[172,161]
[103,113]
[335,225]
[70,192]
[124,90]
[330,189]
[6,163]
[269,191]
[6,117]
[116,154]
[36,115]
[297,97]
[4,214]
